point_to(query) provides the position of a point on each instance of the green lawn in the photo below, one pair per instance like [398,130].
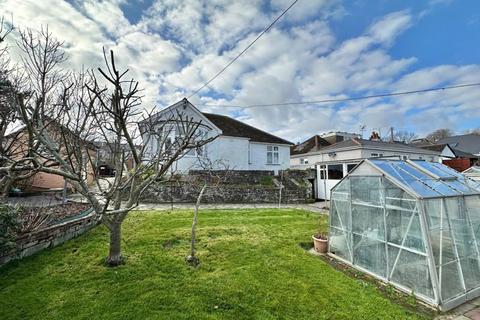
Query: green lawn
[252,267]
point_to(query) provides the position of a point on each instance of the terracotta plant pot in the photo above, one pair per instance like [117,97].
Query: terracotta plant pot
[320,245]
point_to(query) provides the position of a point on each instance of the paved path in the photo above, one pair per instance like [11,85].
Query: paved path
[315,207]
[467,311]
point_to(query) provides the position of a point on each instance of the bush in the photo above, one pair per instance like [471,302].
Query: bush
[266,180]
[10,225]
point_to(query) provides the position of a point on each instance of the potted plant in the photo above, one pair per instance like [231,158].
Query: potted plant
[320,242]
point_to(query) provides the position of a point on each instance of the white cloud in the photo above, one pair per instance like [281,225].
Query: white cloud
[389,27]
[179,44]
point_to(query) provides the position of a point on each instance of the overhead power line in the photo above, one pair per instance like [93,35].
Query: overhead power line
[243,51]
[382,95]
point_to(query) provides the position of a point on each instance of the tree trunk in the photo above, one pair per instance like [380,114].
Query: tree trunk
[192,259]
[115,251]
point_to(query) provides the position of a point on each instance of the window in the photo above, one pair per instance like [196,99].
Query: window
[272,155]
[377,154]
[323,169]
[350,166]
[405,157]
[303,161]
[335,171]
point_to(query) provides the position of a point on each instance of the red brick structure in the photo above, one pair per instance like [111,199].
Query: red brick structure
[459,164]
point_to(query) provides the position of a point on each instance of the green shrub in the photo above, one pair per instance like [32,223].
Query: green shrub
[10,225]
[266,181]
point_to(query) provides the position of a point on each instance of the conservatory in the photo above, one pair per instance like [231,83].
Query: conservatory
[413,224]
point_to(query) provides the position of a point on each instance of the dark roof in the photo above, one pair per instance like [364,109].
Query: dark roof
[461,154]
[235,128]
[434,147]
[312,144]
[469,143]
[456,152]
[362,143]
[422,142]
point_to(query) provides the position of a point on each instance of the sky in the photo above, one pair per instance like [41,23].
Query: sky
[321,49]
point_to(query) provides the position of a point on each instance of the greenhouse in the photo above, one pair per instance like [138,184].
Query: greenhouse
[412,224]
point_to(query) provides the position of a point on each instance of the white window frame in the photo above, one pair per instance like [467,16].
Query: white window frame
[303,160]
[273,155]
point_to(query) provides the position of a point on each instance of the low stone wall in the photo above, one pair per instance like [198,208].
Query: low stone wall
[234,176]
[240,187]
[52,236]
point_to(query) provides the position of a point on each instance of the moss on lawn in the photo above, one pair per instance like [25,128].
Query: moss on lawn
[252,267]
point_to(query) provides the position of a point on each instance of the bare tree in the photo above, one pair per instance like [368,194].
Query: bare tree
[404,136]
[475,131]
[440,134]
[214,173]
[68,111]
[15,152]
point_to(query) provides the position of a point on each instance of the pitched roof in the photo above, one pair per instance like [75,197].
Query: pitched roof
[312,144]
[362,143]
[234,128]
[469,143]
[434,147]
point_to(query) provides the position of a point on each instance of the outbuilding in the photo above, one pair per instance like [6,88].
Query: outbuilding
[413,224]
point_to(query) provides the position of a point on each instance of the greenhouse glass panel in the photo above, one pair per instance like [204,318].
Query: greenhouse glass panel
[403,229]
[340,243]
[366,190]
[369,254]
[471,272]
[340,215]
[414,224]
[368,221]
[472,205]
[451,281]
[461,228]
[411,270]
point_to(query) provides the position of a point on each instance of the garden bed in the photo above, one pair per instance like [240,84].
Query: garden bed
[57,213]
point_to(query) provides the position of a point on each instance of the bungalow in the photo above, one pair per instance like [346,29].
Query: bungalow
[239,145]
[451,154]
[333,162]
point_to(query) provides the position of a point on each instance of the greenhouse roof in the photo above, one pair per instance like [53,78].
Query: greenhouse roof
[427,179]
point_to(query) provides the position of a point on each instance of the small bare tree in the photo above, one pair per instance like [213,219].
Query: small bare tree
[68,111]
[215,173]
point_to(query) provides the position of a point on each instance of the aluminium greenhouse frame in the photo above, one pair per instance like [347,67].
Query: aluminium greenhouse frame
[438,177]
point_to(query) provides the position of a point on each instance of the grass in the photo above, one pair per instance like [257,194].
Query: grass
[252,267]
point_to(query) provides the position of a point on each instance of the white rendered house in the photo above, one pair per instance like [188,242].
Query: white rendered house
[238,145]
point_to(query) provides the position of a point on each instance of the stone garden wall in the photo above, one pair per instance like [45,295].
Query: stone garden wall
[238,187]
[51,236]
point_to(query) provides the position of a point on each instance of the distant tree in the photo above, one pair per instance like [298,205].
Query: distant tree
[475,131]
[440,134]
[404,136]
